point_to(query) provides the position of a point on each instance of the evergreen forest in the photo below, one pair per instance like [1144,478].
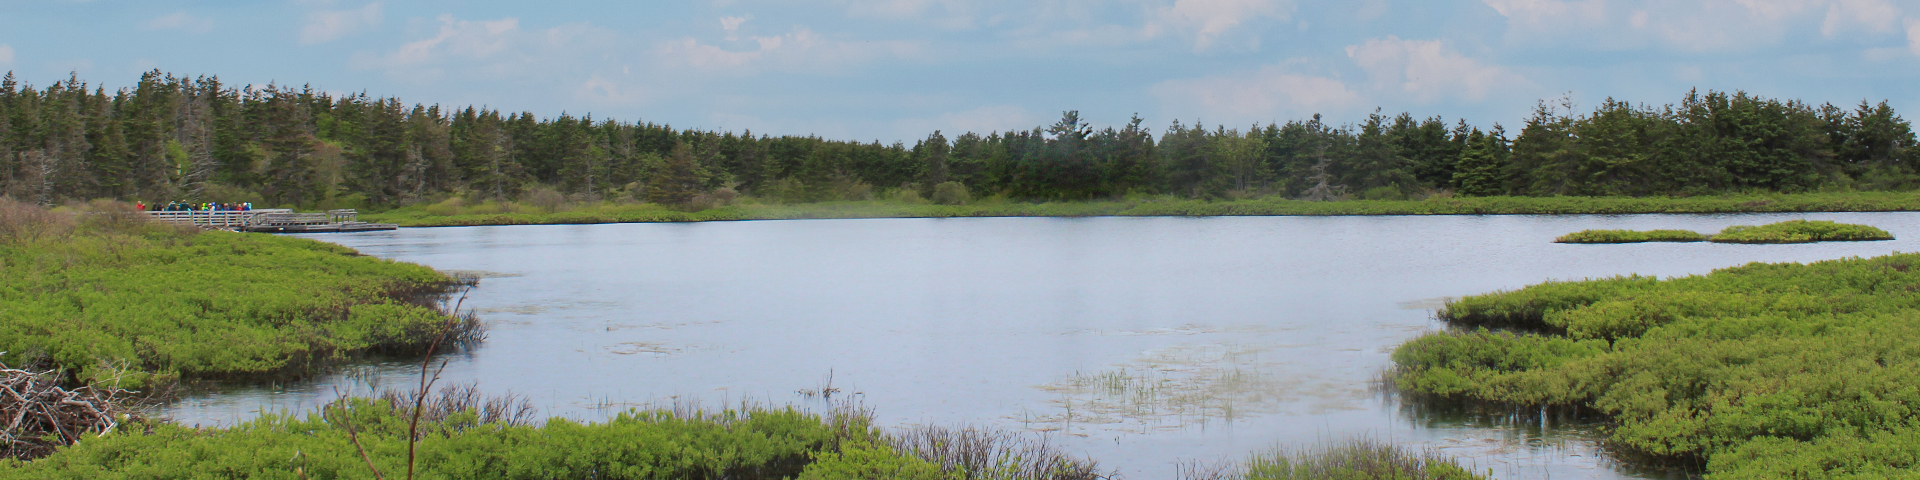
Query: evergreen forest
[196,139]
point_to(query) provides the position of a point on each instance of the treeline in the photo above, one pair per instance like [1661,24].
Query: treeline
[197,139]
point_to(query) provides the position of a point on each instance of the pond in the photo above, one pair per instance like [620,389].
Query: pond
[1140,342]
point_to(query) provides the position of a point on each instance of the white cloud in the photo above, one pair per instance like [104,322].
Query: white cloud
[732,26]
[999,118]
[1207,20]
[799,50]
[456,38]
[179,21]
[1429,70]
[947,14]
[603,91]
[575,61]
[1691,26]
[1913,36]
[1274,93]
[329,25]
[1876,16]
[6,54]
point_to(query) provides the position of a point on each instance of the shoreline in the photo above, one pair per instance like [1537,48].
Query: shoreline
[607,212]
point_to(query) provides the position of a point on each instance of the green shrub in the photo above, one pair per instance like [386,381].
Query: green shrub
[1800,231]
[1631,236]
[744,444]
[1732,369]
[950,193]
[863,461]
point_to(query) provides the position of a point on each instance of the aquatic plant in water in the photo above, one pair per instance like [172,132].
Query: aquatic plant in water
[1800,231]
[1173,388]
[1791,231]
[1631,236]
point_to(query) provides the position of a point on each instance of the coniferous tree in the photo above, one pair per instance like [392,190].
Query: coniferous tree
[679,180]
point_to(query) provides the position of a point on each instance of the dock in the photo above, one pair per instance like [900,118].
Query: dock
[271,220]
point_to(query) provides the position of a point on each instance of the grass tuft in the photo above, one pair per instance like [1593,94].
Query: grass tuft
[1801,231]
[1631,236]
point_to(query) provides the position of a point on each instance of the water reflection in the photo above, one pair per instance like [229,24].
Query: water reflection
[1142,342]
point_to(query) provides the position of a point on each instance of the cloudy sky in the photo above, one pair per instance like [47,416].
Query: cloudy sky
[897,69]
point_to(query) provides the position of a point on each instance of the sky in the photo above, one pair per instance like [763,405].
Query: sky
[896,70]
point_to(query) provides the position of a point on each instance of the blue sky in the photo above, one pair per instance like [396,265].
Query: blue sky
[897,69]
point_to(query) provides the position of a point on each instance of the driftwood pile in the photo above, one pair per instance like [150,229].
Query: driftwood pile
[38,415]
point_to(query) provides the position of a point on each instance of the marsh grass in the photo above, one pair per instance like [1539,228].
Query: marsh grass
[988,454]
[1794,364]
[1631,236]
[1800,231]
[1357,459]
[93,287]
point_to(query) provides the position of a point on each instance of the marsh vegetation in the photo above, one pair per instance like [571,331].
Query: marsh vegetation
[1806,366]
[102,296]
[1791,231]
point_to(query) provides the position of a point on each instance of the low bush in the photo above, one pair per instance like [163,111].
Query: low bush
[1801,231]
[740,444]
[1733,370]
[1631,236]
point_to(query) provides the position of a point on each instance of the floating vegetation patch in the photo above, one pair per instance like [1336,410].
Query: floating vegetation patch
[1631,236]
[528,309]
[1801,231]
[1435,303]
[1179,387]
[635,348]
[478,274]
[1791,231]
[1188,329]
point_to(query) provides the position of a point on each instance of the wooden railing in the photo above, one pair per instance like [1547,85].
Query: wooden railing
[237,219]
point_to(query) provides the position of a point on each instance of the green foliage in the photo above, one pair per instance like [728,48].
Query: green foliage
[864,461]
[1743,364]
[1800,231]
[1354,460]
[1631,236]
[742,444]
[162,302]
[951,193]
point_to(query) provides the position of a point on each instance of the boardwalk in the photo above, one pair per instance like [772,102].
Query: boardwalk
[272,220]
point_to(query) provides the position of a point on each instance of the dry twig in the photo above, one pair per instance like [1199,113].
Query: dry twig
[39,415]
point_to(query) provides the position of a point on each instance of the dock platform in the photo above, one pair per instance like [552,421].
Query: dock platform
[271,220]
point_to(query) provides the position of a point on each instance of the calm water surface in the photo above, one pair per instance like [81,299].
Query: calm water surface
[1141,342]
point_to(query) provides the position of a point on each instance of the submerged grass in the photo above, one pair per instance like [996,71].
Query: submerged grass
[455,213]
[1759,371]
[1631,236]
[104,296]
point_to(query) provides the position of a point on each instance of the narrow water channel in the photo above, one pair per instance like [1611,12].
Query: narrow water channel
[1142,342]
